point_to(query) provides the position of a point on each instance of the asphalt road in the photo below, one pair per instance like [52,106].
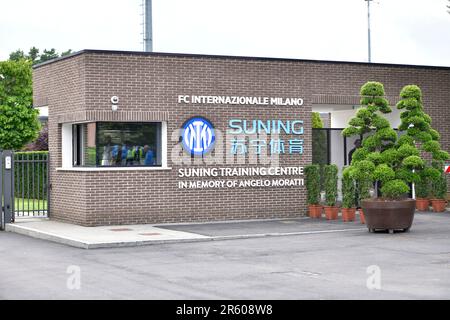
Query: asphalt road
[413,265]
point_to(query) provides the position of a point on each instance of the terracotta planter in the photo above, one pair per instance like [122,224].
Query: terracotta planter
[331,212]
[422,204]
[381,214]
[438,205]
[361,216]
[348,214]
[315,211]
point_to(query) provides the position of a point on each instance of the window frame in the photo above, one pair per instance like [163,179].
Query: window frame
[160,145]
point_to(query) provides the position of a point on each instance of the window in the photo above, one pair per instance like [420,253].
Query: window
[117,144]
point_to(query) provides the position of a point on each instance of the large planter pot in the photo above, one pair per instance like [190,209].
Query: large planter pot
[422,204]
[315,211]
[348,214]
[438,205]
[331,212]
[389,214]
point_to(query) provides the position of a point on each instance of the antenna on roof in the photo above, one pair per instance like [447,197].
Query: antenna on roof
[147,28]
[368,29]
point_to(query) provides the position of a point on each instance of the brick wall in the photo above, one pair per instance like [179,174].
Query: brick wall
[81,86]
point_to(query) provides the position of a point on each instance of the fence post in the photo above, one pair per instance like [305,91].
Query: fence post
[8,188]
[2,211]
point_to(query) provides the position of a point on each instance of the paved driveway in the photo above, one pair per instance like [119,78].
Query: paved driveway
[413,265]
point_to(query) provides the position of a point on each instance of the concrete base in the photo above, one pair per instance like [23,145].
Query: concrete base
[138,235]
[100,237]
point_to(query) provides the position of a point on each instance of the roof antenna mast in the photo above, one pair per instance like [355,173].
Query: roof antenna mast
[148,30]
[368,29]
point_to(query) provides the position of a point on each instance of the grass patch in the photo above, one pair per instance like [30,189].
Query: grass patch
[21,204]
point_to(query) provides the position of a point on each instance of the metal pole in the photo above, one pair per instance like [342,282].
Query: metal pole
[368,28]
[148,36]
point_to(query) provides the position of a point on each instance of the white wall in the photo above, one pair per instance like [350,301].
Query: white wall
[340,118]
[66,147]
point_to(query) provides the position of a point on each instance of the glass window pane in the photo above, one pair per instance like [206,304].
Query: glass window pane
[128,144]
[90,149]
[117,144]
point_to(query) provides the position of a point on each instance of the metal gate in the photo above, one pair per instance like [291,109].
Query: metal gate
[23,185]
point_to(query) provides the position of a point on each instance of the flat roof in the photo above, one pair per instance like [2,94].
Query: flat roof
[210,56]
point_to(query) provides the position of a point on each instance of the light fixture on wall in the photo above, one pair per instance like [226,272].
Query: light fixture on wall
[114,103]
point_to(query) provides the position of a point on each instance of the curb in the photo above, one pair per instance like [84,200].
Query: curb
[87,245]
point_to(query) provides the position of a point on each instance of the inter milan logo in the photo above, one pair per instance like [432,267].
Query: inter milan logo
[198,136]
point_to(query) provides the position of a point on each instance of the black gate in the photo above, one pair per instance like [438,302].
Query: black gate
[23,185]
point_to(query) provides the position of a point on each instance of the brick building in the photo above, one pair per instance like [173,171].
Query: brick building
[123,131]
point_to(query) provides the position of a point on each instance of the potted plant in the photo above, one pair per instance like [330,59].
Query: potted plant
[348,196]
[439,189]
[331,184]
[312,175]
[363,186]
[423,190]
[389,162]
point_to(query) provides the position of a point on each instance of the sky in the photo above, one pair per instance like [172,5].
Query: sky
[403,31]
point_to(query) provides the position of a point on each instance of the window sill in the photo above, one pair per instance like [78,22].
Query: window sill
[91,169]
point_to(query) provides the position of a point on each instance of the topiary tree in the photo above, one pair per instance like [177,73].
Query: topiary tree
[312,175]
[423,187]
[319,144]
[348,189]
[331,184]
[420,135]
[438,187]
[382,158]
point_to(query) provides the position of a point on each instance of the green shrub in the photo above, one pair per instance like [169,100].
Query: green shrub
[394,189]
[312,175]
[383,173]
[423,187]
[439,184]
[363,189]
[331,182]
[348,189]
[413,162]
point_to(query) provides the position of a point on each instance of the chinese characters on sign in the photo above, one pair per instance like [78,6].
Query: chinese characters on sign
[292,144]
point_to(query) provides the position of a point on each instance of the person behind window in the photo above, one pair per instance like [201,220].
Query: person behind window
[149,156]
[124,154]
[106,157]
[350,154]
[130,156]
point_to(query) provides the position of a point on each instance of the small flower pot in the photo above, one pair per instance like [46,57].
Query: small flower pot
[438,205]
[315,211]
[331,212]
[361,216]
[348,214]
[422,204]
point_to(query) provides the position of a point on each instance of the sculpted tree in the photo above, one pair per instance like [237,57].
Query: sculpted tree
[419,132]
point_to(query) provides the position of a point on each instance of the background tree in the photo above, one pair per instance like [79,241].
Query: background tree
[19,122]
[16,100]
[41,143]
[35,57]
